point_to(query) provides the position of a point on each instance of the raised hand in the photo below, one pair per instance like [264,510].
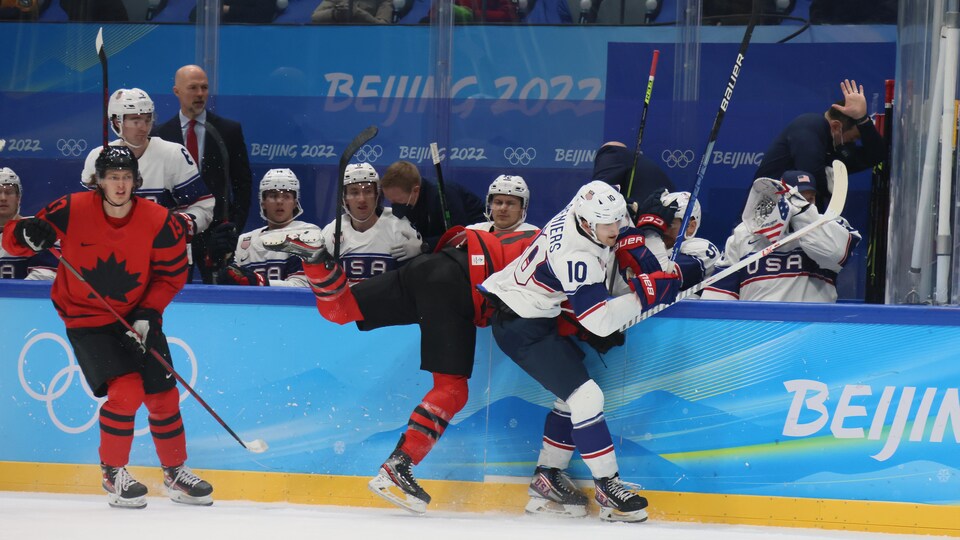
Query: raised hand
[854,101]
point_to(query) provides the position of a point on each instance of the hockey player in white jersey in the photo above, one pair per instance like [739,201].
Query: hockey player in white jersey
[802,271]
[252,263]
[697,256]
[39,266]
[373,240]
[170,175]
[507,201]
[568,261]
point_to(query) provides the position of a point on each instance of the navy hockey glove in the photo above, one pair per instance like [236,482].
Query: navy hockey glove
[35,233]
[655,215]
[603,344]
[222,240]
[239,275]
[146,325]
[656,288]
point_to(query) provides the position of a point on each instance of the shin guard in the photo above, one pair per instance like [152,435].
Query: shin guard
[430,419]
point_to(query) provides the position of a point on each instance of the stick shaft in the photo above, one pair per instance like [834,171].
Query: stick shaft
[643,119]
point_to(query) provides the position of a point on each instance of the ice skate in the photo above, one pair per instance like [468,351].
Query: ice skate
[396,484]
[617,503]
[306,244]
[553,494]
[183,486]
[123,491]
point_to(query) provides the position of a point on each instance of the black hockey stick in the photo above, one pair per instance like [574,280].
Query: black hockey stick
[351,149]
[880,209]
[440,187]
[721,112]
[102,53]
[643,119]
[257,446]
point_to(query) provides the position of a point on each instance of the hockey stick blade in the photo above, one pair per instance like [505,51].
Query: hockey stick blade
[833,211]
[361,139]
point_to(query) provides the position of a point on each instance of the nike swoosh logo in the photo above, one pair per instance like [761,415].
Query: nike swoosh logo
[169,374]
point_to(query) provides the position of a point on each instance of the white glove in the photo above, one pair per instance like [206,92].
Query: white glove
[410,246]
[141,328]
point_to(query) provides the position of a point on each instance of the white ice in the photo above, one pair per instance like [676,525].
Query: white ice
[87,517]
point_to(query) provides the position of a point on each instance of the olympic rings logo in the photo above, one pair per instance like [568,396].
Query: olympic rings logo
[71,147]
[368,153]
[677,158]
[55,389]
[519,155]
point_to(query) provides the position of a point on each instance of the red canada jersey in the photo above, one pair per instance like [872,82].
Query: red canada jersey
[487,252]
[139,261]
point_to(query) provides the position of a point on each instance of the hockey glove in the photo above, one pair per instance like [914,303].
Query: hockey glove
[656,288]
[189,225]
[411,245]
[240,275]
[35,233]
[634,257]
[222,240]
[654,215]
[146,325]
[603,344]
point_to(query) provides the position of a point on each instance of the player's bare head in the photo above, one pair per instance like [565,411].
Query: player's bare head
[843,129]
[507,200]
[280,197]
[130,112]
[601,212]
[192,88]
[10,194]
[400,181]
[361,192]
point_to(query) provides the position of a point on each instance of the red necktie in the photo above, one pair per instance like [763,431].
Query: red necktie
[192,141]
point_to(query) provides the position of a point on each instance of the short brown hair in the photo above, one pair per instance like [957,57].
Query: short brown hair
[846,123]
[401,174]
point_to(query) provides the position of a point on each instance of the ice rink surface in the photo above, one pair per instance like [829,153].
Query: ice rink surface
[87,517]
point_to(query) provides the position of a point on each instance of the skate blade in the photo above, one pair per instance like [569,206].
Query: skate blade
[182,498]
[538,506]
[610,514]
[116,501]
[387,490]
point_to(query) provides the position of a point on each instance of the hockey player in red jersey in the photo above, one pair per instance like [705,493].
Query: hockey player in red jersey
[132,252]
[438,292]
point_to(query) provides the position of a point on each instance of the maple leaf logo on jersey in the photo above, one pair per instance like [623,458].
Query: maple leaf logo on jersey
[111,279]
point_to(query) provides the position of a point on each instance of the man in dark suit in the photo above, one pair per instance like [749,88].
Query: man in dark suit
[217,144]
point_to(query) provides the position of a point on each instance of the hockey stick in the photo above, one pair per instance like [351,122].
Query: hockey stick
[257,446]
[102,53]
[351,149]
[443,192]
[721,112]
[837,201]
[643,119]
[880,208]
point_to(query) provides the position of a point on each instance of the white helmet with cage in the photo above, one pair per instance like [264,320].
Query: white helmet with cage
[127,101]
[10,178]
[280,180]
[599,203]
[682,199]
[507,184]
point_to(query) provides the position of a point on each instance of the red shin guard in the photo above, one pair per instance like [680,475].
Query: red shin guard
[430,419]
[124,396]
[166,426]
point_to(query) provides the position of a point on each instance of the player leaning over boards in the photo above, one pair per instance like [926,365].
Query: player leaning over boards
[132,252]
[568,262]
[435,291]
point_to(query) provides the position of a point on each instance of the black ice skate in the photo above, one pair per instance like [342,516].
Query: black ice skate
[396,484]
[617,503]
[553,494]
[306,244]
[123,491]
[185,487]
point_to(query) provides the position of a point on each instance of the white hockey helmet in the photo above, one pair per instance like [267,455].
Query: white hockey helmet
[682,199]
[127,101]
[10,178]
[358,173]
[280,180]
[506,184]
[599,203]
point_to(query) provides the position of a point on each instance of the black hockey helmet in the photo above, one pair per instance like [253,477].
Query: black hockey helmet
[118,157]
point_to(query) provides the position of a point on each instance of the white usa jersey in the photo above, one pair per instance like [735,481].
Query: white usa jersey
[371,252]
[488,226]
[802,271]
[170,179]
[562,264]
[281,269]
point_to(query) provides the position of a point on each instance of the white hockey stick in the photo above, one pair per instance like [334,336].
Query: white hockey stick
[833,211]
